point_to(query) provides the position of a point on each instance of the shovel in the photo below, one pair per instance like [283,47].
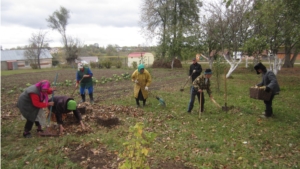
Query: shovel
[48,131]
[182,88]
[161,101]
[76,87]
[213,100]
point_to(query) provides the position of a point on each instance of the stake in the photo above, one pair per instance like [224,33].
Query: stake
[200,107]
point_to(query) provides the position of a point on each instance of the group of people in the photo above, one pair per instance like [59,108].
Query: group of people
[32,101]
[202,82]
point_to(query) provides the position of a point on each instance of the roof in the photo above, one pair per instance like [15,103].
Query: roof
[88,59]
[136,54]
[7,55]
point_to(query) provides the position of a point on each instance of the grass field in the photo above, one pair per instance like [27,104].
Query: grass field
[235,139]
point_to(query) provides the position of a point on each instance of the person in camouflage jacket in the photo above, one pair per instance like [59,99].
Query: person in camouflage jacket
[201,83]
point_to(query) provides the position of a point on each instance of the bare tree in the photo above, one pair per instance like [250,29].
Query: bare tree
[36,48]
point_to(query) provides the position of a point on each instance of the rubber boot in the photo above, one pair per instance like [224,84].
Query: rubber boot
[137,102]
[83,98]
[91,98]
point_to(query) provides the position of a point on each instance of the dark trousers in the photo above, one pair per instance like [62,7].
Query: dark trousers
[29,124]
[140,97]
[268,104]
[192,100]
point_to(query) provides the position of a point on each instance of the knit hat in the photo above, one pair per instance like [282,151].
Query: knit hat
[208,72]
[71,105]
[141,66]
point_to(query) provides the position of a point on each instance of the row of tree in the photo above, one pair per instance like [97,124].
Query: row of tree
[250,26]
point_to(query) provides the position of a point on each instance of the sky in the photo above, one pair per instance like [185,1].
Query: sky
[91,21]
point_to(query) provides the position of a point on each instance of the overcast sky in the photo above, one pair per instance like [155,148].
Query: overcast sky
[92,21]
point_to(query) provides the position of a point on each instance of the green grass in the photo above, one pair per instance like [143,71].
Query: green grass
[236,139]
[24,71]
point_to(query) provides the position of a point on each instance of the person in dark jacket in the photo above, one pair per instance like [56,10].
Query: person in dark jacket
[84,79]
[64,105]
[269,82]
[195,70]
[31,103]
[201,83]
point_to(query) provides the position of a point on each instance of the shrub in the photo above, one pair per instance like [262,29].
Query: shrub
[118,64]
[94,65]
[134,65]
[107,63]
[33,66]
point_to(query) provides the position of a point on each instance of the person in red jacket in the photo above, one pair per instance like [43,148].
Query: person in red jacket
[31,103]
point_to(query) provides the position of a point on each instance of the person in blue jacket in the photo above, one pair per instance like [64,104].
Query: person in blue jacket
[84,79]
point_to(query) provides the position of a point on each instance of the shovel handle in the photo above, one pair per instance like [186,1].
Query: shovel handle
[52,99]
[76,87]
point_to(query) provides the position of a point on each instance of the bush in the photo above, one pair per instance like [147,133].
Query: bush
[34,66]
[107,63]
[134,65]
[94,65]
[118,64]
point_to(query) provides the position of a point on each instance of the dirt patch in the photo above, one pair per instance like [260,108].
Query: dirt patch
[99,157]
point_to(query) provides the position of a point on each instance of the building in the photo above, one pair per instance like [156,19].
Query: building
[87,59]
[141,57]
[15,59]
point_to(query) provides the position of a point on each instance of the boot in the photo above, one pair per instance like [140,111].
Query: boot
[83,98]
[91,98]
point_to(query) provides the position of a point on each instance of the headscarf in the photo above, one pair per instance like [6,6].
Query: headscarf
[44,84]
[141,66]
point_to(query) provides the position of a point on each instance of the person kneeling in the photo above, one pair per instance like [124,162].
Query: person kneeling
[63,105]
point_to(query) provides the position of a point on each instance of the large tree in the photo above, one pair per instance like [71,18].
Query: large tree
[36,48]
[172,22]
[59,21]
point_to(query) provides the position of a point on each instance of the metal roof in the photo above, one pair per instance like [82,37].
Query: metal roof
[7,55]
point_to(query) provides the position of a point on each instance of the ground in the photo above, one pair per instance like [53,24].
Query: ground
[105,116]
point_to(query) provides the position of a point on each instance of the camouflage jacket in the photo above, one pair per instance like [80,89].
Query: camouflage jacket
[199,83]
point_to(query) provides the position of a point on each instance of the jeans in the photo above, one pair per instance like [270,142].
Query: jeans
[192,100]
[90,90]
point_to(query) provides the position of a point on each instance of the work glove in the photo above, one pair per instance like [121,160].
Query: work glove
[146,88]
[262,87]
[267,89]
[189,77]
[136,81]
[194,71]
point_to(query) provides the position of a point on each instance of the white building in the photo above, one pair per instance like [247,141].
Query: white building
[145,58]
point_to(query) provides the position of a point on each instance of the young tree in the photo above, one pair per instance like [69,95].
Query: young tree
[36,48]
